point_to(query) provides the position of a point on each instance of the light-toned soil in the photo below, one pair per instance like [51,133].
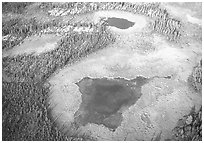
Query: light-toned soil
[164,101]
[35,44]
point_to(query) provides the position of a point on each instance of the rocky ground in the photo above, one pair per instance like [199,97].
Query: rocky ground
[52,46]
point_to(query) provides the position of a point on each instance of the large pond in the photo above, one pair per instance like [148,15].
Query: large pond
[119,23]
[104,100]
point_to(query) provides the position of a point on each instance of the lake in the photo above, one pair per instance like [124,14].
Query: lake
[104,100]
[119,23]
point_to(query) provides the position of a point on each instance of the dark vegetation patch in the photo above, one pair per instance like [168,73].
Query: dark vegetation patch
[50,5]
[25,111]
[19,28]
[195,79]
[189,128]
[70,49]
[25,114]
[15,7]
[104,100]
[163,23]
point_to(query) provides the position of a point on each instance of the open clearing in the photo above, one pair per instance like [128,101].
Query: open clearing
[35,44]
[163,102]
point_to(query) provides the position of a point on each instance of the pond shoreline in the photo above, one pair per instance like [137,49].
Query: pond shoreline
[119,23]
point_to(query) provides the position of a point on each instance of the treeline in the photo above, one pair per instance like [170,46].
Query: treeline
[14,7]
[20,28]
[195,79]
[25,111]
[70,48]
[51,5]
[189,128]
[25,114]
[163,23]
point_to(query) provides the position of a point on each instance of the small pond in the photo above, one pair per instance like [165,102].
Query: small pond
[119,23]
[104,100]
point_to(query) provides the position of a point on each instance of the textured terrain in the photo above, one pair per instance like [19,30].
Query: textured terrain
[49,47]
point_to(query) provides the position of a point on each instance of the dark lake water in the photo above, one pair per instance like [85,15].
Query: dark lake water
[102,100]
[119,23]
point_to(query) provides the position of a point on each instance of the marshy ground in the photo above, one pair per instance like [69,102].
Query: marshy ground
[107,81]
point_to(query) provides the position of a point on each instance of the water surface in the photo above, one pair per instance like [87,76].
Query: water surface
[120,23]
[104,100]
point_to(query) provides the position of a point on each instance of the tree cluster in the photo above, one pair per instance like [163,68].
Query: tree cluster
[163,23]
[26,114]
